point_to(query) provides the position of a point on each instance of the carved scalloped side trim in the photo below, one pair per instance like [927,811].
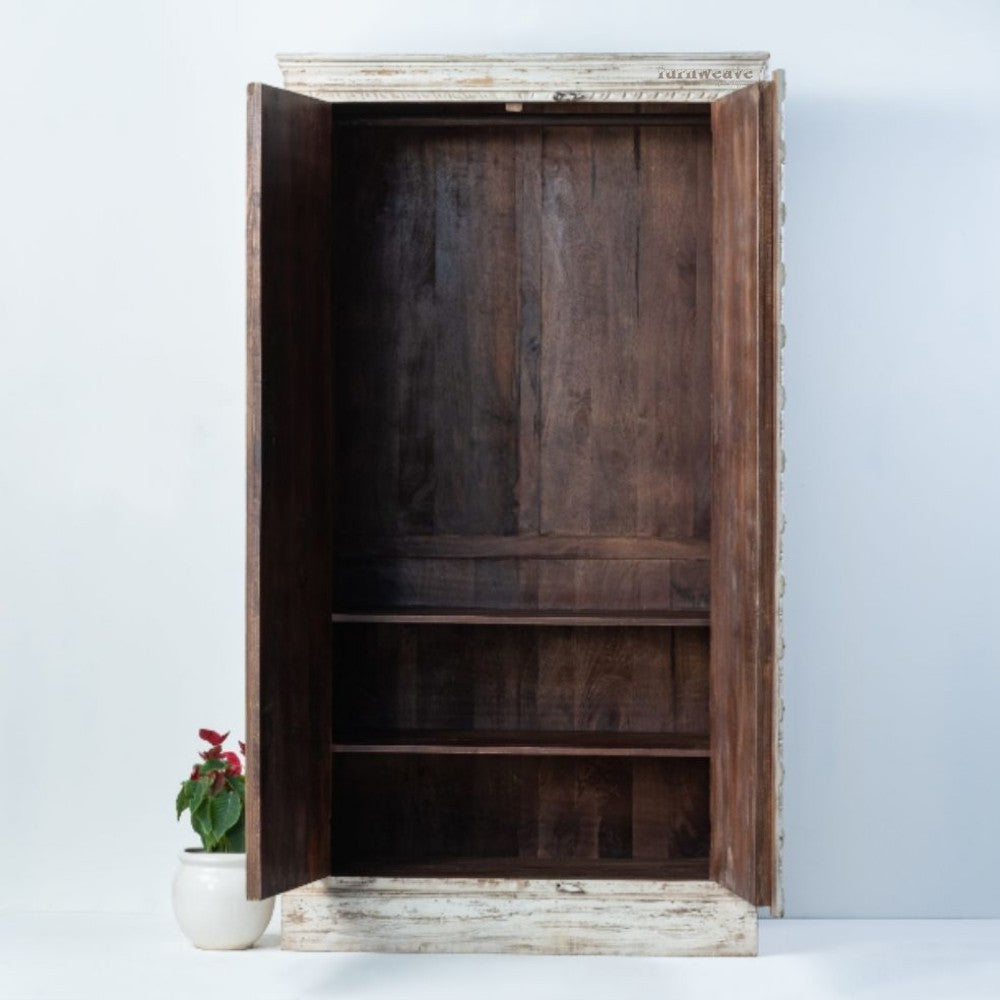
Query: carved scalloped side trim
[668,77]
[778,909]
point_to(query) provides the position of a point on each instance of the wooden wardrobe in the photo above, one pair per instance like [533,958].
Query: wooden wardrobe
[513,502]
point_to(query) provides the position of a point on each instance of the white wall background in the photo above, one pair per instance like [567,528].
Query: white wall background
[121,419]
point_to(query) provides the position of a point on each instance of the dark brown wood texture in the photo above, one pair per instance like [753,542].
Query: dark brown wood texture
[770,459]
[421,810]
[555,619]
[566,584]
[523,393]
[553,403]
[675,869]
[464,678]
[744,493]
[522,547]
[290,449]
[531,743]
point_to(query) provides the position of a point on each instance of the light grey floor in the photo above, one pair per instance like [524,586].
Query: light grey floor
[144,958]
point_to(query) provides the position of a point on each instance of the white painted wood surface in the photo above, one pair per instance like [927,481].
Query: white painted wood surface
[527,916]
[583,77]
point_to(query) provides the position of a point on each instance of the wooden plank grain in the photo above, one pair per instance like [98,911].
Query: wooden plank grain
[589,317]
[625,679]
[473,616]
[573,312]
[476,329]
[528,216]
[614,365]
[735,512]
[532,743]
[379,182]
[564,117]
[429,808]
[741,606]
[530,866]
[670,811]
[673,344]
[767,846]
[289,489]
[689,684]
[515,585]
[585,808]
[406,337]
[521,546]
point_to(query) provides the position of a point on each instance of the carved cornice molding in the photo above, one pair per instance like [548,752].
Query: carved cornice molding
[585,77]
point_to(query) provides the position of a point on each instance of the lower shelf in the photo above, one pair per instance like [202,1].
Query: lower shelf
[526,744]
[542,868]
[488,616]
[559,816]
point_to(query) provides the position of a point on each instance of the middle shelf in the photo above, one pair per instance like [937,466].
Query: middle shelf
[525,743]
[483,616]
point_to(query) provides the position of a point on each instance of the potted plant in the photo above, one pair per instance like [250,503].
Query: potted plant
[209,890]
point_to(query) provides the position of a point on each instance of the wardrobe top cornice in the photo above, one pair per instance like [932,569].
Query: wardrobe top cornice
[624,77]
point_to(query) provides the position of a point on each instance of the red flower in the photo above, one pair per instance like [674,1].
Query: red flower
[195,773]
[218,782]
[234,768]
[212,753]
[243,747]
[211,736]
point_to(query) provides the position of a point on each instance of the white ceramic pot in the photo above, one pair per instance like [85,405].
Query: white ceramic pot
[210,901]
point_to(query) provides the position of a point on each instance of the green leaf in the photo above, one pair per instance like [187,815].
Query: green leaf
[235,840]
[183,797]
[201,820]
[226,811]
[198,792]
[213,764]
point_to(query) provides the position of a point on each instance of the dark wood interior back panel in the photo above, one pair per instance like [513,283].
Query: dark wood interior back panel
[410,810]
[523,350]
[440,677]
[742,590]
[289,489]
[625,353]
[425,297]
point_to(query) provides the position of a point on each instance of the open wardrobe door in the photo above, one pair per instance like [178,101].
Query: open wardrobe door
[289,476]
[744,488]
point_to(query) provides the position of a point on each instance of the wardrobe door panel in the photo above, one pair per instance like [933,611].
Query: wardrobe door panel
[744,492]
[289,479]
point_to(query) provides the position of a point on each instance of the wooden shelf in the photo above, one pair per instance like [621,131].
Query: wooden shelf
[526,744]
[671,870]
[485,616]
[633,548]
[519,119]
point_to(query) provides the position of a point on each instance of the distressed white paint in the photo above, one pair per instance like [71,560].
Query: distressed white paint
[778,909]
[513,78]
[530,916]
